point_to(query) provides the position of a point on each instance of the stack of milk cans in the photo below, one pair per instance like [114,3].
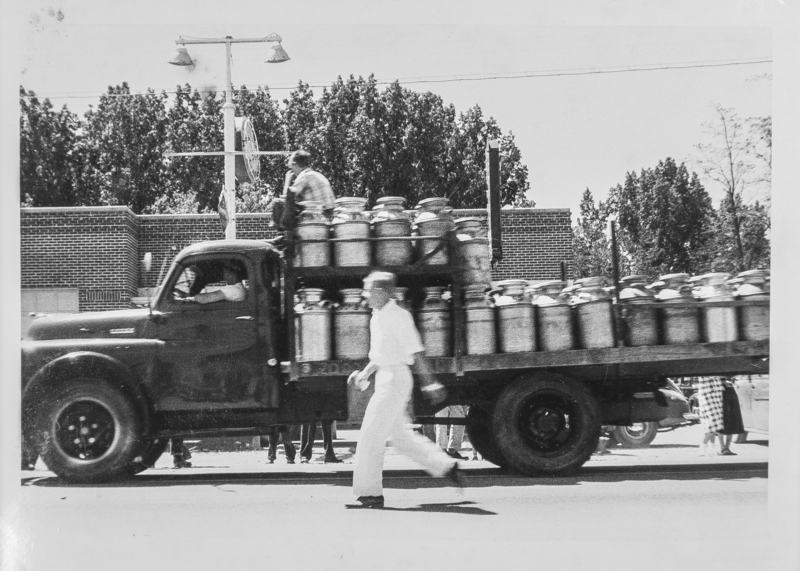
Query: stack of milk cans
[508,316]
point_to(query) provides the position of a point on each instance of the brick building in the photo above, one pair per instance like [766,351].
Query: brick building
[88,258]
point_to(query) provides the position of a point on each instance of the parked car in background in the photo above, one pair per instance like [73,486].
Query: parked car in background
[641,434]
[753,393]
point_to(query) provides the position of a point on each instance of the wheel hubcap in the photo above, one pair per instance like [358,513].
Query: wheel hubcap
[85,430]
[545,422]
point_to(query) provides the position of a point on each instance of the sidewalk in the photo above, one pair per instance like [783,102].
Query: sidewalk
[676,448]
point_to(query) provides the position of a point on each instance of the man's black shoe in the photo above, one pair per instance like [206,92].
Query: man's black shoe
[366,502]
[456,476]
[454,454]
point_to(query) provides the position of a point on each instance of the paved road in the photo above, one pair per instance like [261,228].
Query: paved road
[660,508]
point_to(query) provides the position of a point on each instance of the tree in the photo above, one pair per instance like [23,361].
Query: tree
[125,140]
[50,158]
[726,161]
[664,219]
[590,245]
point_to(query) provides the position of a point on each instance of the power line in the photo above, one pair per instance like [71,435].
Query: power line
[460,78]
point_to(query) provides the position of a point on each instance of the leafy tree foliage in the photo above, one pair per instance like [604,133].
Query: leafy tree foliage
[50,154]
[124,141]
[739,157]
[369,142]
[591,245]
[664,219]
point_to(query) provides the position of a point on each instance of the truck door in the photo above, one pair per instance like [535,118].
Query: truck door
[211,357]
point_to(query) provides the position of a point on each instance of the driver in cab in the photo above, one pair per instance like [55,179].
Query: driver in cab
[233,291]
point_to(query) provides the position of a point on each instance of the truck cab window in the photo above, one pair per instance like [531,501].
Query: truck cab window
[212,281]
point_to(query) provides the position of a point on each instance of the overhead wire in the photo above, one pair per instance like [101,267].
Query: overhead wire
[463,78]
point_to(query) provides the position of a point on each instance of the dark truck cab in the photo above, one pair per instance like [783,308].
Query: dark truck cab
[104,391]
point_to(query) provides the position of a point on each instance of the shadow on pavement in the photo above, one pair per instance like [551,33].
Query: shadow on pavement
[464,507]
[415,479]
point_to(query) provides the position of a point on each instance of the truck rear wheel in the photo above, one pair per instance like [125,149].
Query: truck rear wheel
[479,432]
[637,435]
[87,431]
[546,424]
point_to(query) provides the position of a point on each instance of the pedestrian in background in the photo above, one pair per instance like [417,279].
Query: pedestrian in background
[307,437]
[449,437]
[731,418]
[709,400]
[180,453]
[280,431]
[395,344]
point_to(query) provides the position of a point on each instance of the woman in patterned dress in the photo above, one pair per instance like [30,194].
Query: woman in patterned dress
[709,399]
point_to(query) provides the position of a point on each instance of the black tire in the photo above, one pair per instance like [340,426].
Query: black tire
[546,424]
[638,435]
[479,432]
[87,431]
[147,458]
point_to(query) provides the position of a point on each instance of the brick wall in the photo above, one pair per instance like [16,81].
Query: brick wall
[93,249]
[98,249]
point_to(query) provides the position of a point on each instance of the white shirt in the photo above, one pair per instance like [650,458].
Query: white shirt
[394,338]
[235,292]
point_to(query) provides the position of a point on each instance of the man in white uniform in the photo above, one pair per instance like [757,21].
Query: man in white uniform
[394,345]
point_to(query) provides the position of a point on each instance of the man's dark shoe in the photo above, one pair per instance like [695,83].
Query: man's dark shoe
[271,461]
[366,502]
[178,463]
[304,460]
[290,460]
[454,454]
[456,477]
[333,460]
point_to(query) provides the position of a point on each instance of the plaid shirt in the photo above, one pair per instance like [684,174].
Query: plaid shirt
[709,399]
[311,185]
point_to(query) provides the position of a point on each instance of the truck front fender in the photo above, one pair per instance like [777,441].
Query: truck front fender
[89,364]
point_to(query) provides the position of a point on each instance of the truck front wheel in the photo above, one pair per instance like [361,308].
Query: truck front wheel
[546,424]
[87,431]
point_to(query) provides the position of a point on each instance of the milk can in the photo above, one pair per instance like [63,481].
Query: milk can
[313,322]
[389,221]
[553,316]
[479,320]
[313,225]
[473,252]
[351,222]
[434,219]
[595,321]
[719,323]
[435,323]
[682,324]
[641,321]
[515,317]
[401,297]
[754,318]
[351,325]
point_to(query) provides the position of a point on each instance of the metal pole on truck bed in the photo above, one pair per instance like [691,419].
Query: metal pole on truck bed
[493,200]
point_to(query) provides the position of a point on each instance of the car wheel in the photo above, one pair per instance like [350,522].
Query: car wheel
[88,431]
[637,435]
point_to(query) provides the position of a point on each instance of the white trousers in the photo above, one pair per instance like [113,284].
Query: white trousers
[455,431]
[387,417]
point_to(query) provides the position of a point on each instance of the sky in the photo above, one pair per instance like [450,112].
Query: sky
[578,119]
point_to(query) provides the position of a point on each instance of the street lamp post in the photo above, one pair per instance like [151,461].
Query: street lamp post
[181,58]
